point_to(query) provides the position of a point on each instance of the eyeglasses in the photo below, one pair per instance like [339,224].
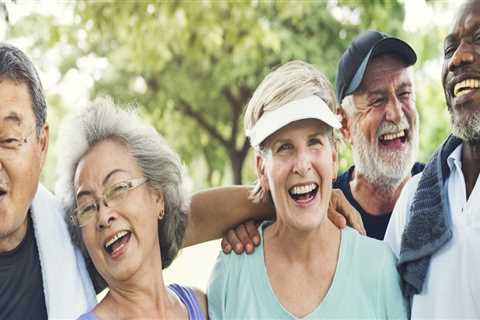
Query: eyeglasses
[11,143]
[112,197]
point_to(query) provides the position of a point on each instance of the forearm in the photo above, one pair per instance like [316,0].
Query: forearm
[215,211]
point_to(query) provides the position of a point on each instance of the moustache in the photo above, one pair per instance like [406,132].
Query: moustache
[390,127]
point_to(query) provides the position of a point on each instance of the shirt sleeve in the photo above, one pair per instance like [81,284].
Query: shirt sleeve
[396,307]
[400,216]
[217,289]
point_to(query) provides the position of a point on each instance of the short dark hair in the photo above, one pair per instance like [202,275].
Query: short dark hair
[16,66]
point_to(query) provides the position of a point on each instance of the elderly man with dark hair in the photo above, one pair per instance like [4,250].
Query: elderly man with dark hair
[35,249]
[375,88]
[435,227]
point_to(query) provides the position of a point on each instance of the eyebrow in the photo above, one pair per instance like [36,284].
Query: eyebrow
[317,133]
[402,85]
[13,117]
[450,38]
[105,180]
[405,84]
[108,176]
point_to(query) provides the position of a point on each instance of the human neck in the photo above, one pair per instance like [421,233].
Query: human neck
[298,245]
[470,165]
[144,295]
[12,240]
[376,199]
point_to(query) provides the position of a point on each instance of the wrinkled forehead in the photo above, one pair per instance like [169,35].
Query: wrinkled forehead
[384,70]
[466,18]
[100,160]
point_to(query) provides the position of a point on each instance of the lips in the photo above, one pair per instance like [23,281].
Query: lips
[303,193]
[397,137]
[462,81]
[465,86]
[116,245]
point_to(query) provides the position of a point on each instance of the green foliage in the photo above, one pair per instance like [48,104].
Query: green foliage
[191,66]
[204,59]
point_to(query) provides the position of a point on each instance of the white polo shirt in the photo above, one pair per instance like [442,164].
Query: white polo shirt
[452,286]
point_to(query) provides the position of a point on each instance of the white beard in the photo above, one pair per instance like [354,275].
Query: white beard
[382,168]
[467,127]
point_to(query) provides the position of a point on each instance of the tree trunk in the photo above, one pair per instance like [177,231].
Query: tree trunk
[237,160]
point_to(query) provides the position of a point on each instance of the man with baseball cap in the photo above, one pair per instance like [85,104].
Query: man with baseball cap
[375,89]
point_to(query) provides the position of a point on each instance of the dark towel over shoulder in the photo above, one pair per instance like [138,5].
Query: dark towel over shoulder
[429,227]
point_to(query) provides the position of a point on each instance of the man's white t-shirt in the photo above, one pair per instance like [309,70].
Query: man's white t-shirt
[452,286]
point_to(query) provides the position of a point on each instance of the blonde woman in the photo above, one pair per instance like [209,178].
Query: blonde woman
[305,266]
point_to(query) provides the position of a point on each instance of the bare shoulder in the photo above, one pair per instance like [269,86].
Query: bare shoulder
[202,300]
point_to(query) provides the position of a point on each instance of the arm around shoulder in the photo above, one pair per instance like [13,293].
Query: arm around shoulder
[215,211]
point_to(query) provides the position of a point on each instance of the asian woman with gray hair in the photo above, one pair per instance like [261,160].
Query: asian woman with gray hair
[125,193]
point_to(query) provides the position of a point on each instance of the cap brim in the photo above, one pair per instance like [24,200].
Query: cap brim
[312,107]
[388,45]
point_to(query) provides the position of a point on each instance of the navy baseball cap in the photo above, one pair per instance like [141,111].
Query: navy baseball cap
[363,49]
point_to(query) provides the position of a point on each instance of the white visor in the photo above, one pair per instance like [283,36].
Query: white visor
[312,107]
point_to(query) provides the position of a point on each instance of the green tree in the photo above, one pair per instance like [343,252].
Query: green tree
[199,62]
[191,66]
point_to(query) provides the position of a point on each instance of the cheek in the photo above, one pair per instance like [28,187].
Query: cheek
[24,175]
[410,113]
[369,126]
[88,237]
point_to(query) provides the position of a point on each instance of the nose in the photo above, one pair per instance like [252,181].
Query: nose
[464,54]
[106,215]
[303,163]
[394,110]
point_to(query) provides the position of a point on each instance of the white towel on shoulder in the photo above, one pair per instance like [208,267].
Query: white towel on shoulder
[67,287]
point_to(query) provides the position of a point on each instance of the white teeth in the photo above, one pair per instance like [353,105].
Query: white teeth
[115,238]
[303,189]
[464,87]
[393,136]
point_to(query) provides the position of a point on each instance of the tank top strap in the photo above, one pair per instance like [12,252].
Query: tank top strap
[189,299]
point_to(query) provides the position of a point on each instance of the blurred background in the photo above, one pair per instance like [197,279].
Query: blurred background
[191,66]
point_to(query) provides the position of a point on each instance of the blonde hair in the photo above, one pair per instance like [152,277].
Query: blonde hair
[292,81]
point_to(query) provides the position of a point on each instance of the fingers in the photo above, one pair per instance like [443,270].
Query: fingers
[226,247]
[252,230]
[337,218]
[245,239]
[339,205]
[232,241]
[357,224]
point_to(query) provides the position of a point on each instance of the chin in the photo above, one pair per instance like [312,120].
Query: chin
[310,221]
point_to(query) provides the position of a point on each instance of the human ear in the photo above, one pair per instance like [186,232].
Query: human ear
[261,174]
[345,121]
[43,138]
[159,203]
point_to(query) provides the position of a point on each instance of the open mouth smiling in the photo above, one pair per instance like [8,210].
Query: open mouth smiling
[392,137]
[465,86]
[303,193]
[115,244]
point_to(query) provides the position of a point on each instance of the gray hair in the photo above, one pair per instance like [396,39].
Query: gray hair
[348,105]
[291,81]
[17,67]
[159,163]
